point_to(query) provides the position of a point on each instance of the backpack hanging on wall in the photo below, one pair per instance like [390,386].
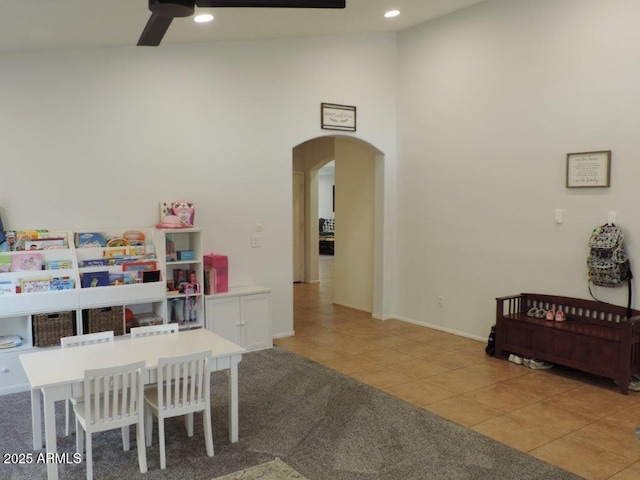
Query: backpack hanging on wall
[608,264]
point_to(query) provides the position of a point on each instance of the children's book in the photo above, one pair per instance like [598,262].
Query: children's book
[33,285]
[45,243]
[5,263]
[95,279]
[91,239]
[7,288]
[26,261]
[62,283]
[8,341]
[59,264]
[140,266]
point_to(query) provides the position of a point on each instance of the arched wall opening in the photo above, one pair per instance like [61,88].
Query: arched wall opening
[359,218]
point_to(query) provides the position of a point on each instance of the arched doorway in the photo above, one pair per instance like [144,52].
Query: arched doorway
[359,239]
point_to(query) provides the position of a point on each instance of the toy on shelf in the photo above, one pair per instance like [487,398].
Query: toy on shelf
[178,214]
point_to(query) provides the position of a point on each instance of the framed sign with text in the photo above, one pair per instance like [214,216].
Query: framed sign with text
[337,117]
[589,169]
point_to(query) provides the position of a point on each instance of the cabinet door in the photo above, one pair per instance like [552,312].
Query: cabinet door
[11,372]
[255,314]
[223,317]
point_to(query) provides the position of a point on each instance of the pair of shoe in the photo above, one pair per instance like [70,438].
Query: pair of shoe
[537,364]
[537,312]
[634,383]
[557,315]
[516,359]
[533,363]
[551,315]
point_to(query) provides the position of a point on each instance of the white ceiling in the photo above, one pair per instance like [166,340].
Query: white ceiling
[29,25]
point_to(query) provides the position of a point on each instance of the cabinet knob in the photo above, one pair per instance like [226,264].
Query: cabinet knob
[4,370]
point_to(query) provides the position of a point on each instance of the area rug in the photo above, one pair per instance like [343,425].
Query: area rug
[324,425]
[274,470]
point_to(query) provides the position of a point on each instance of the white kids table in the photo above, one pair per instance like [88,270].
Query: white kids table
[57,374]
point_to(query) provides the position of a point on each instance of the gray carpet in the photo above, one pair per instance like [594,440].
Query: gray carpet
[323,424]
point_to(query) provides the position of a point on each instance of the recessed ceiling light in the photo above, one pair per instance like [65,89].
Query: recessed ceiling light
[203,18]
[392,13]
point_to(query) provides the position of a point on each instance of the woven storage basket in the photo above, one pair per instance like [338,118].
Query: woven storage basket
[105,319]
[49,328]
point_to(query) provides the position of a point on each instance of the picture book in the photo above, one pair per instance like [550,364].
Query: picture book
[149,276]
[91,239]
[135,237]
[95,279]
[8,341]
[45,243]
[140,266]
[59,264]
[5,263]
[62,283]
[98,262]
[33,285]
[27,261]
[23,236]
[7,288]
[122,278]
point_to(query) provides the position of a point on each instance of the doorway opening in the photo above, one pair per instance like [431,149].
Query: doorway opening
[357,221]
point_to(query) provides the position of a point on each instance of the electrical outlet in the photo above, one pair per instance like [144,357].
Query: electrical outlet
[256,240]
[440,301]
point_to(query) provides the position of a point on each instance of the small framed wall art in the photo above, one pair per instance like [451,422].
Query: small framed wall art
[337,117]
[589,169]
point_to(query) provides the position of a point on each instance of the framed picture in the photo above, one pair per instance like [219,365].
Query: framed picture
[589,169]
[337,117]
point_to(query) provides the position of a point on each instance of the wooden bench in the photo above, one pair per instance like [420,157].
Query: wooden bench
[596,337]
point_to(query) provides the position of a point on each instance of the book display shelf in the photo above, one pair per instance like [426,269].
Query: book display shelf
[56,283]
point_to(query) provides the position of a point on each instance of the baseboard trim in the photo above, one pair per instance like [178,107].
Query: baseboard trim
[440,328]
[355,307]
[284,335]
[17,388]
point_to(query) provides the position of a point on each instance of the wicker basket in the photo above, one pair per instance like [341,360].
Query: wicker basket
[49,328]
[105,319]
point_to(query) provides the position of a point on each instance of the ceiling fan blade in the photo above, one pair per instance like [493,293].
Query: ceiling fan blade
[272,3]
[154,30]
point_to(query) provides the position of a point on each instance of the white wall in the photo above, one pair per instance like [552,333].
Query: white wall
[355,215]
[326,182]
[96,138]
[491,99]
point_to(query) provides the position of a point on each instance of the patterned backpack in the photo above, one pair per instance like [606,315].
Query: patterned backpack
[608,264]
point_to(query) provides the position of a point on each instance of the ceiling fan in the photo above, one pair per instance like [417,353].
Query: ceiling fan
[164,11]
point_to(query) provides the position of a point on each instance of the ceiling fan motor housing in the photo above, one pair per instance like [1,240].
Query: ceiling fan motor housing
[172,8]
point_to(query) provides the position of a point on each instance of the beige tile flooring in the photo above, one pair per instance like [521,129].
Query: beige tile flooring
[575,421]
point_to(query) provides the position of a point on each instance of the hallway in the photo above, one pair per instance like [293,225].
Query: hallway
[575,421]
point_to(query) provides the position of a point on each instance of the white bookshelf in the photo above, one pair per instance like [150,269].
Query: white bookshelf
[183,240]
[17,310]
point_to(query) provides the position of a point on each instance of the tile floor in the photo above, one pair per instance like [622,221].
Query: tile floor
[572,420]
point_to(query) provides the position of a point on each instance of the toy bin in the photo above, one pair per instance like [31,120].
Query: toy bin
[104,319]
[49,328]
[219,276]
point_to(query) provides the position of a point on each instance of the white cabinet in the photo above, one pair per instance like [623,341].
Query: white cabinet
[241,315]
[182,248]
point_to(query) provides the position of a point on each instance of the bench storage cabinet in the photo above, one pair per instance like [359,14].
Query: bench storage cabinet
[596,338]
